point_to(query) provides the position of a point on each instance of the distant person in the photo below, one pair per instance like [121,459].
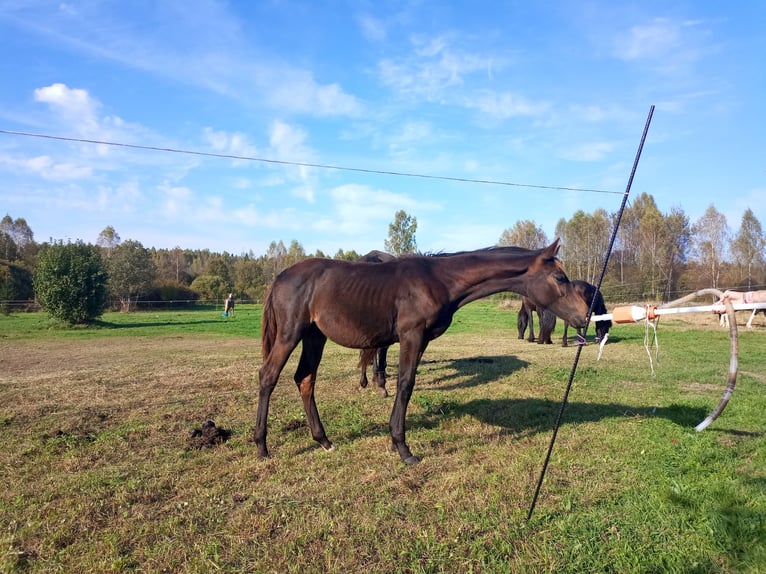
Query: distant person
[228,305]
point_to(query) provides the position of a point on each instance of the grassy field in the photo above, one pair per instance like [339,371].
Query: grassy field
[99,473]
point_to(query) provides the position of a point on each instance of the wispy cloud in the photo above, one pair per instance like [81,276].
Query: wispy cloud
[45,167]
[589,151]
[504,105]
[432,67]
[669,46]
[205,47]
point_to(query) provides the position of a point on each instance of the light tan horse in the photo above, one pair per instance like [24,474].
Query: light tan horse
[742,297]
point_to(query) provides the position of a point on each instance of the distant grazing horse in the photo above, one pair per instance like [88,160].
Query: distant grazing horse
[378,358]
[526,319]
[410,300]
[548,319]
[742,297]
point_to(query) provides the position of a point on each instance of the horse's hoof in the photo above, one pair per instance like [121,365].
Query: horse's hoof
[327,445]
[410,460]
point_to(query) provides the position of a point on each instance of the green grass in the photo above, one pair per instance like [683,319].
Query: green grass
[202,320]
[98,474]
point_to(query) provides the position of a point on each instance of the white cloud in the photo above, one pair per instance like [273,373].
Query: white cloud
[295,91]
[647,41]
[592,151]
[287,143]
[73,105]
[433,67]
[372,28]
[45,167]
[504,105]
[671,47]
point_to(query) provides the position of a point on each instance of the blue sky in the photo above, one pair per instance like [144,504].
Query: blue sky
[542,93]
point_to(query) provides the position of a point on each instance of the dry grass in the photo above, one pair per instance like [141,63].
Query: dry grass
[100,475]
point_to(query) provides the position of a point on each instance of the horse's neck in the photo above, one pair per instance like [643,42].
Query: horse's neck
[471,277]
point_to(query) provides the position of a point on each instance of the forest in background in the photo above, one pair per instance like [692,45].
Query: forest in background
[656,256]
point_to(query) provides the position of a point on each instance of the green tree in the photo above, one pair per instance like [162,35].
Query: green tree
[249,278]
[15,286]
[748,247]
[275,260]
[210,287]
[71,281]
[524,234]
[295,253]
[131,272]
[107,240]
[401,234]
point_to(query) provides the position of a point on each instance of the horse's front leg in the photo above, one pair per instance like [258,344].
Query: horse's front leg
[305,377]
[409,357]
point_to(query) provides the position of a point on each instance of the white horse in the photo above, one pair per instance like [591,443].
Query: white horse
[742,297]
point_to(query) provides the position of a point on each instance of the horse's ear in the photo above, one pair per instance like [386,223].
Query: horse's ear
[552,249]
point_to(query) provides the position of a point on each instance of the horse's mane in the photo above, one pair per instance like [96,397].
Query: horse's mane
[501,249]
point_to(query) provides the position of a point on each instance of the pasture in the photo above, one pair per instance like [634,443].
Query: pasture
[99,473]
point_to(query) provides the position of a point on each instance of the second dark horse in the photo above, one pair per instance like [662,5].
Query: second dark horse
[547,319]
[410,300]
[378,358]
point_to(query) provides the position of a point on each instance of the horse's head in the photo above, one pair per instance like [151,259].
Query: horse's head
[550,288]
[602,329]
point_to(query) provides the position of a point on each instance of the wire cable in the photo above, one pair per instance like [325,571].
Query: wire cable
[302,164]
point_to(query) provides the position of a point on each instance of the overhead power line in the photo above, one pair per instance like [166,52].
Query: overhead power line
[303,164]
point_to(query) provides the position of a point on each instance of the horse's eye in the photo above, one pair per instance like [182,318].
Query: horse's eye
[562,278]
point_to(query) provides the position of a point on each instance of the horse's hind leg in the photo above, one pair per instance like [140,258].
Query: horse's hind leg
[521,321]
[305,377]
[268,376]
[363,367]
[379,371]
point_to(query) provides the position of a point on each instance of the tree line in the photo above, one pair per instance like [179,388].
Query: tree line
[656,256]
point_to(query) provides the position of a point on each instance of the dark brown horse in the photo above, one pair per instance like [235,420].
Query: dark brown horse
[548,319]
[526,320]
[410,300]
[378,358]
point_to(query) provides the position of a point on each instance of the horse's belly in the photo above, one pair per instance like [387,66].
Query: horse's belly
[355,333]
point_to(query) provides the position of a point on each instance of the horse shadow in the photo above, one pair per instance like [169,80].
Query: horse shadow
[523,417]
[470,371]
[144,324]
[529,416]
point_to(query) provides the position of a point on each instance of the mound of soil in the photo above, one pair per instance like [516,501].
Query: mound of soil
[208,436]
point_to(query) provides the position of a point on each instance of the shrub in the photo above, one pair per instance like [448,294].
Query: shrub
[71,281]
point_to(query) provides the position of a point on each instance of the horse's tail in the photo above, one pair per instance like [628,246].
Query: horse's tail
[268,325]
[366,357]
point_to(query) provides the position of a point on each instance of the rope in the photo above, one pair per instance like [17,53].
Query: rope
[590,312]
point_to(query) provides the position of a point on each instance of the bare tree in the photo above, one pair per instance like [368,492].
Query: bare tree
[19,237]
[747,249]
[524,234]
[711,234]
[586,240]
